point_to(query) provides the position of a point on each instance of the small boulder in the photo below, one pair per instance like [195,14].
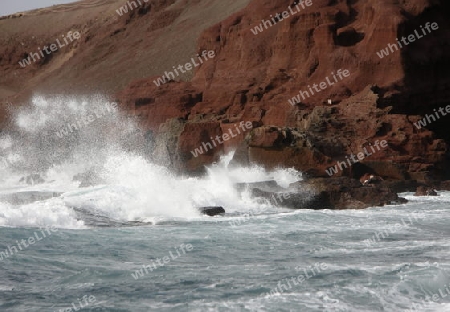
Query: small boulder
[212,211]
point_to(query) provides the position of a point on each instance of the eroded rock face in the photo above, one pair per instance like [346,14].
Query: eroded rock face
[253,77]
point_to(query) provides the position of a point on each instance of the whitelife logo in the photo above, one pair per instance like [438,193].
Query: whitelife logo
[109,107]
[406,41]
[165,260]
[423,122]
[123,10]
[419,307]
[279,17]
[333,170]
[318,267]
[188,66]
[23,243]
[87,301]
[225,137]
[53,48]
[377,236]
[323,85]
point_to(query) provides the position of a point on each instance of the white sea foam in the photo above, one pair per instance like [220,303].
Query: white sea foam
[133,188]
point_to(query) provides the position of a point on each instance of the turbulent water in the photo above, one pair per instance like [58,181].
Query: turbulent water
[136,242]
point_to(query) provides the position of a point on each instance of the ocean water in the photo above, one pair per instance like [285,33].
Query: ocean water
[136,241]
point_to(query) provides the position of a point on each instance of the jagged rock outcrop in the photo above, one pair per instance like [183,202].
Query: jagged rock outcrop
[328,193]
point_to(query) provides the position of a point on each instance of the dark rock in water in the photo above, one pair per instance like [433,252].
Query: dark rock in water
[425,191]
[212,211]
[331,193]
[32,179]
[300,199]
[345,193]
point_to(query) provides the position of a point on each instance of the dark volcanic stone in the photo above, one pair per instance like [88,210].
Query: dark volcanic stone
[212,211]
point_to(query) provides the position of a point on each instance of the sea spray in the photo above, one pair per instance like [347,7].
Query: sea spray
[131,189]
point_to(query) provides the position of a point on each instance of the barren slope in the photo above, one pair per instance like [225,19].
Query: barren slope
[113,50]
[253,77]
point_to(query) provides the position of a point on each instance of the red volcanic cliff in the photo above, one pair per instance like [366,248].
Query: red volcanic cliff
[253,76]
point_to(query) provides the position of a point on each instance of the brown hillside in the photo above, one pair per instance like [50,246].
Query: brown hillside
[112,51]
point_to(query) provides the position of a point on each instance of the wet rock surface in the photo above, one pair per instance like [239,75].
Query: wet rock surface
[330,193]
[212,211]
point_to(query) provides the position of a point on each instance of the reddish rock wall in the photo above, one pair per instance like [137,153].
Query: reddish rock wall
[253,76]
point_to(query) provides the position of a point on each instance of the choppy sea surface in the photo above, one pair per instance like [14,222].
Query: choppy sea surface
[136,241]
